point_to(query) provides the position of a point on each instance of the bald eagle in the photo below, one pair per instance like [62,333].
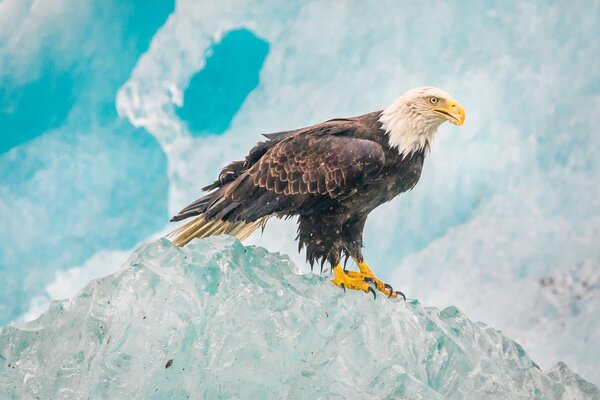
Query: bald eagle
[331,176]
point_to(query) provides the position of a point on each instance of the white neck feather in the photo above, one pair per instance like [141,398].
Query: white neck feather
[408,130]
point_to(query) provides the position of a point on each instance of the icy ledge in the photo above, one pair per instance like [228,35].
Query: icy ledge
[218,320]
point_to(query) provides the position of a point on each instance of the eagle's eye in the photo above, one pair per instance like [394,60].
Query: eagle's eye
[433,100]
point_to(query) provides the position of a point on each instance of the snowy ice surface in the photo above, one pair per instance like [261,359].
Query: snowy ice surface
[504,224]
[218,320]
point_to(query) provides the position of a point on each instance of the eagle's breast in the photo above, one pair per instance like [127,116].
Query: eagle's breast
[398,176]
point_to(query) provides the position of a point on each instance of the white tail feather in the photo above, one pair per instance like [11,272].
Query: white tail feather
[200,228]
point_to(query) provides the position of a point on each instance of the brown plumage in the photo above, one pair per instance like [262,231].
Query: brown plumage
[331,175]
[330,171]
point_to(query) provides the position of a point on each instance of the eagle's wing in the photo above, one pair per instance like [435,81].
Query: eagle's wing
[329,165]
[292,172]
[325,161]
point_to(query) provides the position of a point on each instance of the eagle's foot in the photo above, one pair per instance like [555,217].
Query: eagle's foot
[344,280]
[364,280]
[368,276]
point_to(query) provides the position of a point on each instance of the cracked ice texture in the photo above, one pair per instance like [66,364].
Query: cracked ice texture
[220,320]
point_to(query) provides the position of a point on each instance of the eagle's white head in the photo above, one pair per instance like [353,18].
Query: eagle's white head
[412,121]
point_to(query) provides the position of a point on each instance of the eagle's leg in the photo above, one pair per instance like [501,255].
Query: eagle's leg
[344,280]
[351,235]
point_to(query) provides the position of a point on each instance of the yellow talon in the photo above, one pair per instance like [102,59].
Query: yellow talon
[359,280]
[366,271]
[347,281]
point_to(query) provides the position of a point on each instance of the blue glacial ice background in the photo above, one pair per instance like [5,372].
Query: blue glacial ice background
[113,115]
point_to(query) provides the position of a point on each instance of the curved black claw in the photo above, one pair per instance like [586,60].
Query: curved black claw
[372,291]
[390,288]
[398,293]
[343,287]
[368,279]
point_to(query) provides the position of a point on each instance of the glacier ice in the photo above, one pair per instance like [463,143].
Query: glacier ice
[219,320]
[215,94]
[506,203]
[80,180]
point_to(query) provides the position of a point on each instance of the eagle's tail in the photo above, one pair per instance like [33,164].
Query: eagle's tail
[200,227]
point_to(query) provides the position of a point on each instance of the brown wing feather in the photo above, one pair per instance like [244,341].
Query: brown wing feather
[317,164]
[293,171]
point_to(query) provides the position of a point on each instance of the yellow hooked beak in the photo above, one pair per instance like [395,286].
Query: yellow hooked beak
[453,112]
